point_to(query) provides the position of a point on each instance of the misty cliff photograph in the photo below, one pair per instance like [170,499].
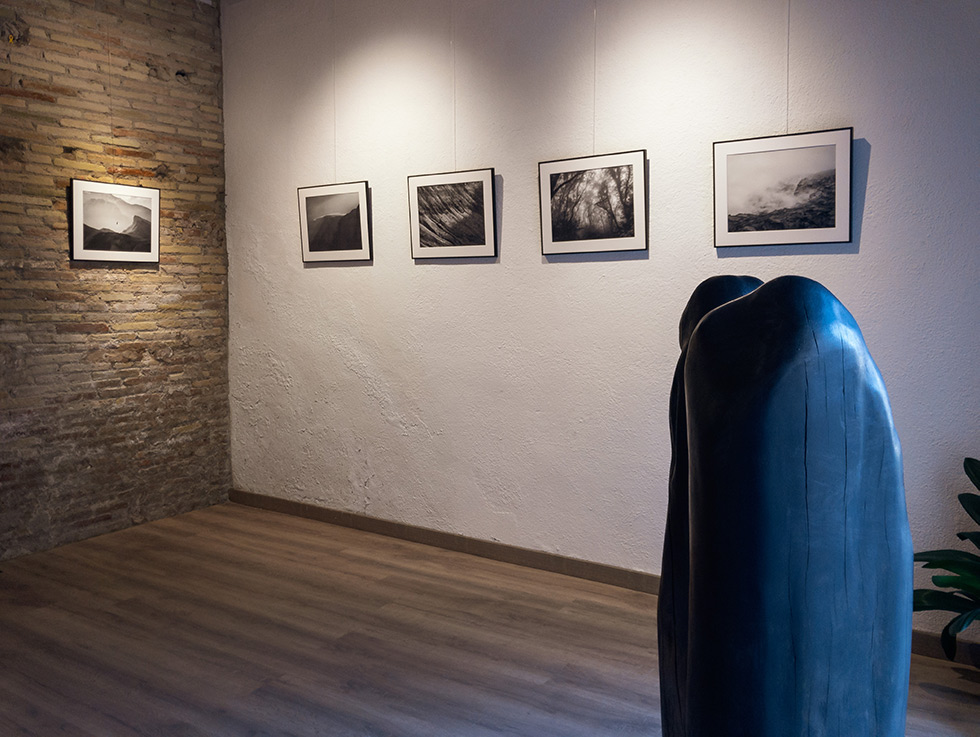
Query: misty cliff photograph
[116,222]
[334,222]
[592,204]
[451,215]
[789,189]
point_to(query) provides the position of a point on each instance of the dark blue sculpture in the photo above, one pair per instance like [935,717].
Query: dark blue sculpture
[799,618]
[672,604]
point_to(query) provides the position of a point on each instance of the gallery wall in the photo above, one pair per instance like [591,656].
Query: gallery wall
[113,376]
[523,399]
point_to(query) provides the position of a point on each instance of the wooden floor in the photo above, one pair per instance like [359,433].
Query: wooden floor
[242,622]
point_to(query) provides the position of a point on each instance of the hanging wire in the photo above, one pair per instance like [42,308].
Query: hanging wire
[789,10]
[108,77]
[452,46]
[333,66]
[595,66]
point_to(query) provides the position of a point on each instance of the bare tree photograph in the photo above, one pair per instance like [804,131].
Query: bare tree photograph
[452,214]
[783,189]
[592,203]
[334,223]
[595,208]
[115,222]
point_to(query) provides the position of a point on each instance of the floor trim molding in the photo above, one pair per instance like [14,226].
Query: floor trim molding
[923,643]
[927,643]
[648,583]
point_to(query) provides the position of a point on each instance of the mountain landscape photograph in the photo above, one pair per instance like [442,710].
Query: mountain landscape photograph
[452,215]
[788,189]
[116,223]
[334,222]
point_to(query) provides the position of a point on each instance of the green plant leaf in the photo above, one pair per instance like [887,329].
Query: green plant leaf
[951,630]
[972,468]
[966,585]
[973,537]
[963,575]
[951,560]
[928,600]
[946,554]
[960,569]
[971,503]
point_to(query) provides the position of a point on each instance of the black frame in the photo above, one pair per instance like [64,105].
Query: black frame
[470,234]
[124,219]
[345,237]
[766,182]
[564,231]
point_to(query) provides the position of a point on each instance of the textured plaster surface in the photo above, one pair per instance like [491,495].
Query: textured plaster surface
[525,399]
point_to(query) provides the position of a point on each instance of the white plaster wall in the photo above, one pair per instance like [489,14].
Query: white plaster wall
[525,399]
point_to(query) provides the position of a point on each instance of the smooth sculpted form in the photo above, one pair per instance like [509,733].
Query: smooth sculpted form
[800,568]
[672,603]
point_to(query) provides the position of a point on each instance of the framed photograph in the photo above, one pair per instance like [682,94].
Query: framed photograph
[334,222]
[784,189]
[594,204]
[114,222]
[453,215]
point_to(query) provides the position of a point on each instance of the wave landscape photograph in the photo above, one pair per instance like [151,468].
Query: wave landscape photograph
[592,204]
[789,189]
[334,222]
[451,215]
[116,223]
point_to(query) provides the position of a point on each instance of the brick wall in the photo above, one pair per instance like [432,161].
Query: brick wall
[114,387]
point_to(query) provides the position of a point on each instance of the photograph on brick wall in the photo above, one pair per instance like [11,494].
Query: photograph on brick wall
[114,222]
[335,223]
[453,215]
[594,204]
[783,189]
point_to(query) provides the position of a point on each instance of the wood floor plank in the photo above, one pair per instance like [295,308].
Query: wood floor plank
[239,621]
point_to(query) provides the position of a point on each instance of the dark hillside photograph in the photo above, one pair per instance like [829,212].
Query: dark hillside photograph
[116,223]
[789,189]
[334,222]
[592,204]
[451,215]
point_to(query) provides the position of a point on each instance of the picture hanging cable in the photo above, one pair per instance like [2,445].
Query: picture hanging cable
[333,68]
[595,65]
[108,77]
[789,10]
[452,46]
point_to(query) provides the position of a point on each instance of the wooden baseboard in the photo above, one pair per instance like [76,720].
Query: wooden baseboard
[923,643]
[648,583]
[927,643]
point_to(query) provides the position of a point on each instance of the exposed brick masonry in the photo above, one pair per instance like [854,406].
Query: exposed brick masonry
[114,386]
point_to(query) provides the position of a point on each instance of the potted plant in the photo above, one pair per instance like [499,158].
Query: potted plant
[962,577]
